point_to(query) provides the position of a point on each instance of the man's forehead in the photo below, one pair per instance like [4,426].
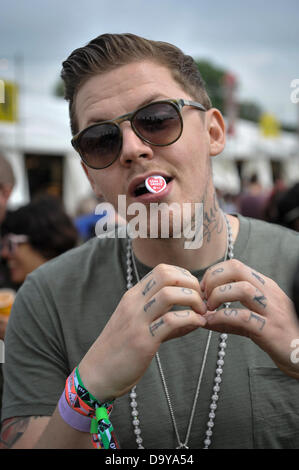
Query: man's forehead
[123,89]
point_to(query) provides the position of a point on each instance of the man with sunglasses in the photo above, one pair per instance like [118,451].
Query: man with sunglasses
[190,347]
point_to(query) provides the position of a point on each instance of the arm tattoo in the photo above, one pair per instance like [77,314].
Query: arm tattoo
[155,326]
[148,286]
[149,304]
[259,278]
[12,430]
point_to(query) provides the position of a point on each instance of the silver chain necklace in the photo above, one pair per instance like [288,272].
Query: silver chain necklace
[219,368]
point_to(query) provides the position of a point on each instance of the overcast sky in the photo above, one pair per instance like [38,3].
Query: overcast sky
[257,40]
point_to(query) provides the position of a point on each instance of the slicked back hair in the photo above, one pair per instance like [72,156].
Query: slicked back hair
[110,51]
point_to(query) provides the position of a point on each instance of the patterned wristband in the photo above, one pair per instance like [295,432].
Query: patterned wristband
[73,418]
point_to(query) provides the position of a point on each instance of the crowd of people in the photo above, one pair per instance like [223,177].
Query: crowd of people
[72,317]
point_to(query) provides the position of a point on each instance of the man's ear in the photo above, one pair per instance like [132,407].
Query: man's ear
[90,179]
[216,129]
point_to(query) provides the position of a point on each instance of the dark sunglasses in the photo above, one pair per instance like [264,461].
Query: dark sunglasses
[159,123]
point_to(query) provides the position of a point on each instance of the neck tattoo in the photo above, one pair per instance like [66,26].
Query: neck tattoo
[219,367]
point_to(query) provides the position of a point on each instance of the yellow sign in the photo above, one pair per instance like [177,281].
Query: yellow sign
[8,101]
[269,125]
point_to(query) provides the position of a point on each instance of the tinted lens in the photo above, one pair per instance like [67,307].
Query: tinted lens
[158,123]
[99,145]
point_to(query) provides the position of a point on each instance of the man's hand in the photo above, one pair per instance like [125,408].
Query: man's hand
[142,321]
[268,318]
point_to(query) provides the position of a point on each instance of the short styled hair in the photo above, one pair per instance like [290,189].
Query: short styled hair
[109,51]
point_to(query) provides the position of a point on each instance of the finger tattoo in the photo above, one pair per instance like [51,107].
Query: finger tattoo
[149,304]
[230,311]
[182,314]
[187,291]
[155,326]
[218,270]
[261,299]
[183,271]
[258,277]
[258,318]
[225,287]
[148,286]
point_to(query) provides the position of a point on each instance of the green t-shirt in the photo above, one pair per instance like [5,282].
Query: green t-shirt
[63,307]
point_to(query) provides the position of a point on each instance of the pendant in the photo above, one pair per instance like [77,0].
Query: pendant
[182,446]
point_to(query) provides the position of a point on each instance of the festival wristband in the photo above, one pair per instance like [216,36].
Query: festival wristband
[71,417]
[84,403]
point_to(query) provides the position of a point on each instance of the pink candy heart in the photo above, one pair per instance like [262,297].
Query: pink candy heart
[155,183]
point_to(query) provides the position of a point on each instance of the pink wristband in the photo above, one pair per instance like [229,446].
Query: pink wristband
[71,417]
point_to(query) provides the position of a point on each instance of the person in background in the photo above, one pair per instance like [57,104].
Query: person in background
[7,183]
[253,199]
[34,234]
[286,210]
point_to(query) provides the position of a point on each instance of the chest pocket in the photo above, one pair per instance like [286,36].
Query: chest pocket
[275,405]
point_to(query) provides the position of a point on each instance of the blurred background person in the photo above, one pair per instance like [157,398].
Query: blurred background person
[7,182]
[284,208]
[253,199]
[34,234]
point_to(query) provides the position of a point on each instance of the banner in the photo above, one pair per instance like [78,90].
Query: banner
[9,96]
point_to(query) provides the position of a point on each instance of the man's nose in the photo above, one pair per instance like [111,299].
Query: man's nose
[133,147]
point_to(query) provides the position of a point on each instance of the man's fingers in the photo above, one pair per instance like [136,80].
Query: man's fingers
[232,271]
[237,321]
[167,275]
[174,324]
[244,292]
[168,296]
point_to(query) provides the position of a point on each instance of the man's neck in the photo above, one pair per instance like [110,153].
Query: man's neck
[153,251]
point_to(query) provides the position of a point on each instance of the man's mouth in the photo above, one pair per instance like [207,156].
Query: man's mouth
[142,189]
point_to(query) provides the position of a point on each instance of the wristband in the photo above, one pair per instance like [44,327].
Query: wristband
[71,417]
[85,405]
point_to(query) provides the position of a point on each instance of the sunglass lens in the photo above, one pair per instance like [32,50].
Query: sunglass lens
[100,145]
[158,123]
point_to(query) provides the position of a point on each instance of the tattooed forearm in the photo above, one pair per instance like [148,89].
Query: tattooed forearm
[148,286]
[259,278]
[154,326]
[149,304]
[12,430]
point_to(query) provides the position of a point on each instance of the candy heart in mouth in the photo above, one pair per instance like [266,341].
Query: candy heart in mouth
[155,183]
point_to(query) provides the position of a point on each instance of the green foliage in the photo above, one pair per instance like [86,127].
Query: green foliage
[213,78]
